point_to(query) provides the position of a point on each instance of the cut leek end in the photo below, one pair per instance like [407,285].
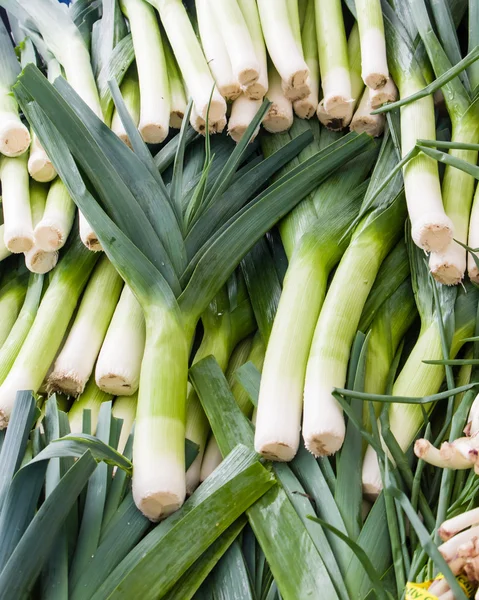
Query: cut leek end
[298,93]
[199,124]
[432,232]
[375,81]
[66,381]
[48,236]
[330,122]
[176,119]
[230,91]
[4,418]
[125,139]
[307,107]
[279,116]
[339,107]
[449,267]
[374,66]
[19,240]
[39,261]
[388,93]
[14,138]
[473,272]
[88,236]
[40,167]
[243,112]
[237,132]
[117,384]
[371,476]
[153,133]
[298,79]
[324,443]
[216,108]
[367,123]
[256,91]
[276,450]
[248,76]
[158,505]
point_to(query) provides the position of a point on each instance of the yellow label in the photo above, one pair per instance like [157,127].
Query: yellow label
[419,591]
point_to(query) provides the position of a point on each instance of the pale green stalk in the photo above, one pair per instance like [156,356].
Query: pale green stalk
[38,260]
[354,60]
[74,365]
[52,231]
[190,58]
[12,296]
[238,41]
[124,408]
[177,90]
[374,63]
[306,108]
[246,351]
[282,44]
[323,421]
[18,231]
[154,121]
[333,60]
[14,136]
[12,344]
[249,8]
[90,399]
[46,334]
[118,366]
[131,96]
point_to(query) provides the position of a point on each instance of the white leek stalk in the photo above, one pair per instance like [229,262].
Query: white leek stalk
[152,74]
[388,93]
[333,60]
[14,136]
[302,91]
[39,165]
[238,41]
[375,71]
[363,121]
[280,114]
[178,102]
[124,408]
[75,362]
[307,107]
[12,296]
[118,366]
[199,124]
[51,321]
[215,51]
[190,58]
[243,112]
[258,89]
[473,240]
[90,399]
[323,421]
[281,43]
[52,230]
[38,260]
[131,96]
[4,251]
[18,232]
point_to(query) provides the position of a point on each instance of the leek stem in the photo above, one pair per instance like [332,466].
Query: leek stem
[12,296]
[74,364]
[243,112]
[18,232]
[258,89]
[388,93]
[14,136]
[131,95]
[306,108]
[124,408]
[365,122]
[52,231]
[90,399]
[36,259]
[39,165]
[473,239]
[152,74]
[178,104]
[280,114]
[375,71]
[118,366]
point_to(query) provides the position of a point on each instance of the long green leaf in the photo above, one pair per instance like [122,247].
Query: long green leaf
[230,580]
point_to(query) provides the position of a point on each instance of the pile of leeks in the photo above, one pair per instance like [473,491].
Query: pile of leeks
[262,383]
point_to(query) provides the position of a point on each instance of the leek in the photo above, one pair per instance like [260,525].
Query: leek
[51,321]
[17,217]
[215,51]
[12,296]
[473,240]
[91,399]
[258,89]
[152,74]
[118,366]
[306,108]
[238,41]
[14,136]
[388,93]
[131,95]
[124,408]
[333,60]
[74,365]
[177,89]
[38,260]
[281,42]
[432,229]
[374,64]
[52,230]
[39,165]
[243,112]
[280,114]
[364,121]
[191,60]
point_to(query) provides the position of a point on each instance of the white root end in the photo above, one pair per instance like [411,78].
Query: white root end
[331,123]
[298,93]
[371,476]
[153,133]
[432,231]
[115,384]
[14,137]
[48,236]
[363,121]
[388,93]
[243,112]
[40,166]
[66,381]
[199,124]
[39,261]
[448,267]
[280,114]
[18,239]
[88,236]
[306,108]
[256,91]
[176,119]
[337,94]
[374,64]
